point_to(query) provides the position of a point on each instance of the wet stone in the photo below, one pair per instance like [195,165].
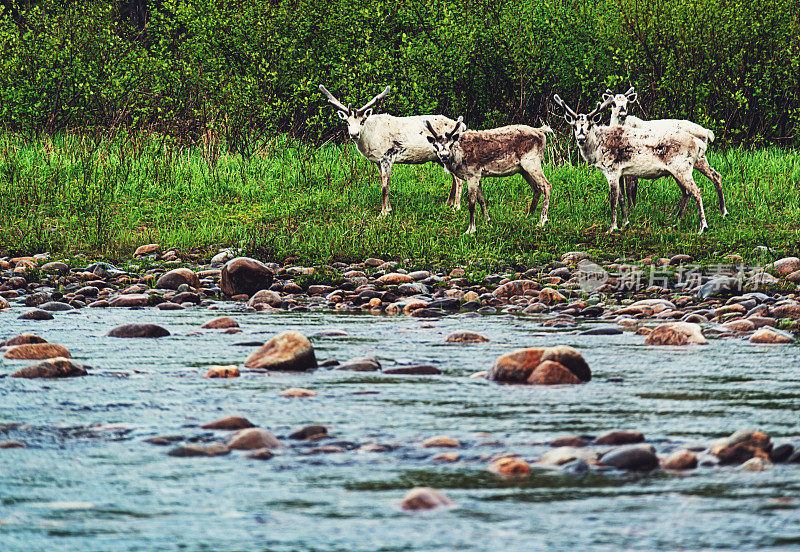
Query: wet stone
[360,364]
[139,331]
[252,439]
[289,351]
[221,323]
[52,368]
[680,460]
[164,440]
[261,454]
[631,457]
[676,333]
[22,339]
[36,314]
[416,369]
[465,336]
[619,437]
[187,451]
[229,423]
[36,351]
[510,466]
[309,432]
[568,441]
[55,306]
[424,498]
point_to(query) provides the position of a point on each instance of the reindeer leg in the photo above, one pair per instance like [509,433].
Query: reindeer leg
[472,196]
[631,185]
[706,169]
[482,201]
[535,177]
[613,188]
[454,199]
[691,189]
[385,168]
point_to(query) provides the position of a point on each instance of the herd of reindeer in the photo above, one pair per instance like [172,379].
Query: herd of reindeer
[626,149]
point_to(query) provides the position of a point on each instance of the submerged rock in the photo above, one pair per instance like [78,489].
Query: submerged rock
[424,498]
[139,330]
[440,441]
[465,337]
[52,368]
[220,323]
[223,372]
[229,423]
[360,364]
[290,351]
[680,460]
[676,333]
[620,437]
[36,314]
[631,457]
[549,372]
[200,450]
[510,466]
[36,351]
[519,366]
[22,339]
[252,439]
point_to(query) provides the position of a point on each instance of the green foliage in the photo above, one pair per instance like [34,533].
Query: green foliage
[234,74]
[70,195]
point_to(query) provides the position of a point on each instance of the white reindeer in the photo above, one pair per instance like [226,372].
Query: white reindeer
[619,151]
[620,115]
[473,154]
[385,140]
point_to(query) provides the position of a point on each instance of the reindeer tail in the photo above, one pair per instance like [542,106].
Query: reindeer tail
[546,129]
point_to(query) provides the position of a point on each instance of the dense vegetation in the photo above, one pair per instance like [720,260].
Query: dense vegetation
[238,73]
[72,194]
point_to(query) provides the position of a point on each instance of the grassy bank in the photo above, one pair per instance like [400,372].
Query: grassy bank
[72,194]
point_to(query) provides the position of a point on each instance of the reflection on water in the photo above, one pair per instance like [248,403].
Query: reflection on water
[89,482]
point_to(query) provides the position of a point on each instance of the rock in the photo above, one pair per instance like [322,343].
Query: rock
[393,278]
[575,467]
[511,289]
[619,437]
[510,466]
[602,331]
[720,285]
[631,457]
[516,366]
[562,455]
[265,297]
[680,460]
[549,296]
[549,372]
[175,278]
[424,498]
[290,351]
[571,359]
[223,372]
[144,250]
[130,300]
[465,337]
[139,330]
[58,367]
[22,339]
[786,311]
[771,336]
[785,266]
[416,369]
[229,423]
[11,444]
[56,306]
[244,275]
[220,323]
[781,453]
[440,441]
[738,453]
[309,432]
[261,454]
[676,333]
[36,351]
[186,451]
[756,464]
[4,304]
[360,364]
[252,439]
[447,457]
[568,441]
[56,267]
[298,392]
[163,440]
[35,314]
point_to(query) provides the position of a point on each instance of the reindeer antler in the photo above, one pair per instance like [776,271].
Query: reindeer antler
[375,100]
[630,90]
[600,107]
[455,128]
[430,129]
[564,106]
[333,101]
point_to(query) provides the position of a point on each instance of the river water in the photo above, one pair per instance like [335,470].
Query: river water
[87,481]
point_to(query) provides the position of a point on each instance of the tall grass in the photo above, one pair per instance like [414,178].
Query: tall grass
[72,194]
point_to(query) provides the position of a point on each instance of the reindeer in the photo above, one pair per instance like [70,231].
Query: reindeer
[619,151]
[472,154]
[385,140]
[620,116]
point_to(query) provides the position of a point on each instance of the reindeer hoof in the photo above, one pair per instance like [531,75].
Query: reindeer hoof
[541,223]
[725,213]
[470,230]
[702,230]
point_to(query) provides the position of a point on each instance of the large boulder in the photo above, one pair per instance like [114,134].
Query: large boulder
[36,351]
[676,333]
[290,351]
[139,330]
[244,275]
[253,439]
[785,266]
[176,277]
[22,339]
[631,457]
[519,366]
[771,336]
[53,368]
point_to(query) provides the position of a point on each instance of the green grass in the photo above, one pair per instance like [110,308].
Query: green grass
[72,194]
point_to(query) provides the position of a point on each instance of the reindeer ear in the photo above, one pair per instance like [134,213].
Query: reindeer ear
[569,118]
[597,118]
[454,138]
[431,139]
[607,96]
[368,112]
[342,115]
[632,97]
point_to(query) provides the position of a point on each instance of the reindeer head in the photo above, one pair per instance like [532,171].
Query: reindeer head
[582,123]
[619,103]
[443,144]
[355,118]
